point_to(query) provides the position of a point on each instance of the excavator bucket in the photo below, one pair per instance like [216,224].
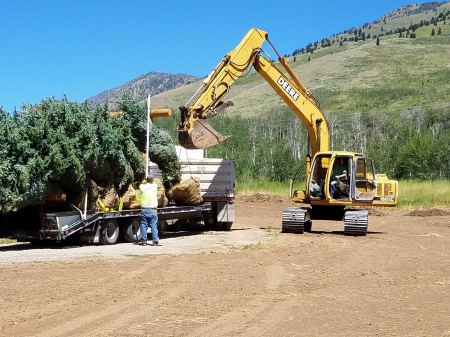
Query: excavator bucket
[202,136]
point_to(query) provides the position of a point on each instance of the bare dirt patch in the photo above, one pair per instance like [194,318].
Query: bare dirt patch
[429,212]
[251,281]
[264,198]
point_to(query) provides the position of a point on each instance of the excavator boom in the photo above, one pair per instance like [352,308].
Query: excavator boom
[194,130]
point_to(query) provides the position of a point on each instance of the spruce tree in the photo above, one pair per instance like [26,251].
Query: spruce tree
[59,146]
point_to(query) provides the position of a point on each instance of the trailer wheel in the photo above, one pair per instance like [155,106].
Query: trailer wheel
[109,232]
[131,230]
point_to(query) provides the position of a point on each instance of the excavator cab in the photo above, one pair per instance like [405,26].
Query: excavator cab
[358,185]
[322,182]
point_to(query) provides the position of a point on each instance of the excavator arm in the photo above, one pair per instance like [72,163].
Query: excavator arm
[193,131]
[298,99]
[196,133]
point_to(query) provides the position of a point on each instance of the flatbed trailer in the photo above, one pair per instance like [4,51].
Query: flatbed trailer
[110,227]
[64,223]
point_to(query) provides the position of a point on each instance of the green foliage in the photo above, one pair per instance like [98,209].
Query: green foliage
[265,148]
[162,152]
[58,146]
[22,169]
[136,115]
[161,146]
[414,157]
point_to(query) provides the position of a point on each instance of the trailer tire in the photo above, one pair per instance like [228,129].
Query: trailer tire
[131,230]
[109,232]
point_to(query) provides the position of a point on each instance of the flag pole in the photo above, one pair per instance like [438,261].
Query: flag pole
[148,136]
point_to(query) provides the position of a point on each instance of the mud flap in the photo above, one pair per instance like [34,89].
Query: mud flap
[202,136]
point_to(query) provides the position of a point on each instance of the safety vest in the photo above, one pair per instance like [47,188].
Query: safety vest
[149,195]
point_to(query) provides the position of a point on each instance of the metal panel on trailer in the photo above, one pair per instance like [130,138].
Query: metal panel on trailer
[217,176]
[225,211]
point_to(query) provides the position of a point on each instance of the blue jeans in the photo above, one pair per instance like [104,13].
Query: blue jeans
[149,217]
[333,187]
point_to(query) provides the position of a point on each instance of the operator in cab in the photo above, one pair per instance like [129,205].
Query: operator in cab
[339,172]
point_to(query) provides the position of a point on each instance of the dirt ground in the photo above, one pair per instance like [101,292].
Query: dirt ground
[251,281]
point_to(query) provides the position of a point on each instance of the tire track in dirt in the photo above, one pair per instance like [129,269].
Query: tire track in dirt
[104,322]
[229,323]
[54,305]
[258,317]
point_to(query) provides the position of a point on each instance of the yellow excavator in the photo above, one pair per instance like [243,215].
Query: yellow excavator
[346,194]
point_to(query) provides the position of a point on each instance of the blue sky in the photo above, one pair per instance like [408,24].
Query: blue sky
[80,48]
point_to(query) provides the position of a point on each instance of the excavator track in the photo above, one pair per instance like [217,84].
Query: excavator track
[356,222]
[295,220]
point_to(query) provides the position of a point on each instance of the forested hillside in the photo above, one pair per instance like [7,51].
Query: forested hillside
[384,89]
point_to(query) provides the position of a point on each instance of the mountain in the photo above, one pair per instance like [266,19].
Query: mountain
[152,83]
[404,19]
[396,63]
[397,53]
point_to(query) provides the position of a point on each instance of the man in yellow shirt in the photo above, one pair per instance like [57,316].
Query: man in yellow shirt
[149,216]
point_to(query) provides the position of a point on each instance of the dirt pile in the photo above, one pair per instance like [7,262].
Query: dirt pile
[429,212]
[265,198]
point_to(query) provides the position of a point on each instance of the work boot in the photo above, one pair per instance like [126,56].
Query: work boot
[155,243]
[142,243]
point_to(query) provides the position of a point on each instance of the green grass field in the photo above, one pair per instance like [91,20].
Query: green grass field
[424,194]
[6,241]
[412,194]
